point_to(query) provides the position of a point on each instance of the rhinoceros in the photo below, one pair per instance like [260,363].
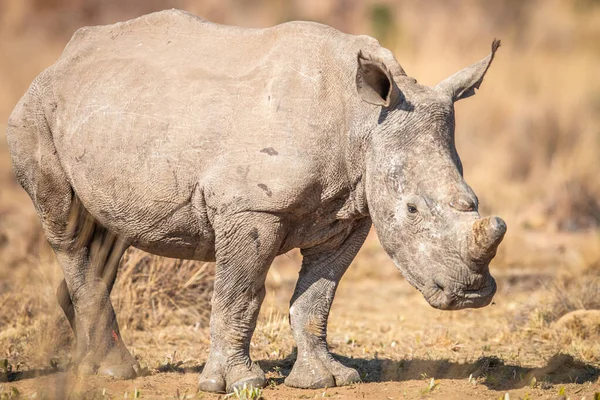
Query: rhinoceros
[190,139]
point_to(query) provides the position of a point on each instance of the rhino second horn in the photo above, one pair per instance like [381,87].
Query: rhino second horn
[484,240]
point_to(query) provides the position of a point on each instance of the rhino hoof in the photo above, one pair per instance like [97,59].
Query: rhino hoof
[310,382]
[122,371]
[251,382]
[345,376]
[310,374]
[212,385]
[314,374]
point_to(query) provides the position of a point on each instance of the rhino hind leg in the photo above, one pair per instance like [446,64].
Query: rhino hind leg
[109,275]
[79,242]
[90,261]
[245,246]
[64,301]
[322,269]
[89,256]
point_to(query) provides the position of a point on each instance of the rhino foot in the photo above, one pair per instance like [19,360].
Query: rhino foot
[216,380]
[117,371]
[117,363]
[314,372]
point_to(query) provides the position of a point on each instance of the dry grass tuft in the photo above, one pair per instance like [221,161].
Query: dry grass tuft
[486,366]
[580,293]
[563,367]
[153,291]
[571,207]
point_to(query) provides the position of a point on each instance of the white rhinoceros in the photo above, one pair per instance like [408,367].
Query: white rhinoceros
[195,140]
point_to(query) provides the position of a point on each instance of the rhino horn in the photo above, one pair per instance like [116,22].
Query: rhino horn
[486,235]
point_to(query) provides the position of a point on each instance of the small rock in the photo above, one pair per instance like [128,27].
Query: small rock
[546,385]
[584,322]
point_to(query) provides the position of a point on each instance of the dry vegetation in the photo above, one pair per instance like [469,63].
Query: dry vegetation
[530,143]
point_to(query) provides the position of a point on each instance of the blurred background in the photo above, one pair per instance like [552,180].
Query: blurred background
[529,140]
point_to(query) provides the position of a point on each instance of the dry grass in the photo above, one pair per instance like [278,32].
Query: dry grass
[581,293]
[153,291]
[150,293]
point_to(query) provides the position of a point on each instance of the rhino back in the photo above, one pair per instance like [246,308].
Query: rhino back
[164,120]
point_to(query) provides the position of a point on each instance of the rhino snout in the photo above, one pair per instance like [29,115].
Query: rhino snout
[450,297]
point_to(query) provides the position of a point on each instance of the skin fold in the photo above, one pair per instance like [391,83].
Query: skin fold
[195,140]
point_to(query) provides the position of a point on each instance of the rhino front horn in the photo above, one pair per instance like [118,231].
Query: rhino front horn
[486,236]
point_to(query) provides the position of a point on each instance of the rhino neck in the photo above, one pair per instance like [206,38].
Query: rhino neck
[355,206]
[356,143]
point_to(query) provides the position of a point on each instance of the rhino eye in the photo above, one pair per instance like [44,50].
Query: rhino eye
[411,208]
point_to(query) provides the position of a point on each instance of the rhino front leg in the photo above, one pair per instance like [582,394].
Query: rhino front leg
[322,269]
[245,246]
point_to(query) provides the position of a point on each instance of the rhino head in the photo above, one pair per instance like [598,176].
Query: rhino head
[425,214]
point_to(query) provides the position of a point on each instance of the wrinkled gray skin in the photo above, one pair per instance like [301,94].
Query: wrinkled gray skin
[194,140]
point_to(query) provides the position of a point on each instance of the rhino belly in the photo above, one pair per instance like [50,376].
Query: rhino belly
[157,207]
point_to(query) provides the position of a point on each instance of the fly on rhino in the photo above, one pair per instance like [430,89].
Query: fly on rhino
[200,141]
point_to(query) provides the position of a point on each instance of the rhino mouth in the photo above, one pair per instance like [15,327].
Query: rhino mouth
[453,298]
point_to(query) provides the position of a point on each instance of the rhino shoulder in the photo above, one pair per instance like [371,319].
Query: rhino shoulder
[161,21]
[80,38]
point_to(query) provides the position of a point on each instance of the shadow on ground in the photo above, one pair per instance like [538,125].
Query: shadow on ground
[10,375]
[495,374]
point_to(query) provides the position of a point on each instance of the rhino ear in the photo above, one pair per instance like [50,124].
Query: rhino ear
[374,82]
[463,83]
